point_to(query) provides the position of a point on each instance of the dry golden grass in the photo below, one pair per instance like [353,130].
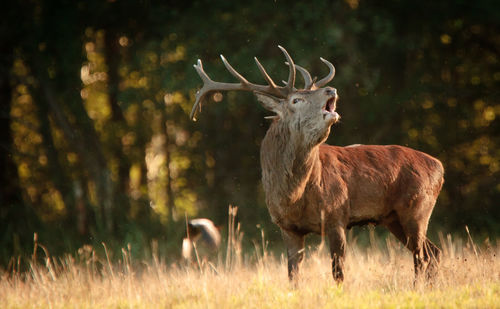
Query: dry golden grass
[376,277]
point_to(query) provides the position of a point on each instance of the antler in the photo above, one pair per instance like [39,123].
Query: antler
[311,84]
[327,78]
[210,86]
[308,81]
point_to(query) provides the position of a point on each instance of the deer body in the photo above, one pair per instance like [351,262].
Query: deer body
[393,186]
[351,185]
[309,184]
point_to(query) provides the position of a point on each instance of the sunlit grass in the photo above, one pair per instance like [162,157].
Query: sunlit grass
[377,276]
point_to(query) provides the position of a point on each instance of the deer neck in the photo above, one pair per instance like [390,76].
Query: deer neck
[289,162]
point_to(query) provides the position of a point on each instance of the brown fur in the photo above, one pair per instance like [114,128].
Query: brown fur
[392,186]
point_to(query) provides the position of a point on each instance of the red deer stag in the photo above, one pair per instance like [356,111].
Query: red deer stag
[392,186]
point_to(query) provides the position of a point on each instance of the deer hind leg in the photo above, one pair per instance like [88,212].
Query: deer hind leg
[295,251]
[426,258]
[426,255]
[337,239]
[411,236]
[393,225]
[409,224]
[432,254]
[415,244]
[412,242]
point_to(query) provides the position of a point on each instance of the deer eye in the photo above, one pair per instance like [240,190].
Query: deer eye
[296,100]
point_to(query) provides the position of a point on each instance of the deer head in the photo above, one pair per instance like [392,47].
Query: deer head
[308,112]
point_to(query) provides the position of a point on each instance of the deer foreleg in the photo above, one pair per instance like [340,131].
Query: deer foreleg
[295,250]
[337,240]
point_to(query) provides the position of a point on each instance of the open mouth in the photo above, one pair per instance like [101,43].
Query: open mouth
[329,107]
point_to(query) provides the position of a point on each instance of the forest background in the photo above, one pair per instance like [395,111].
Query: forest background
[96,144]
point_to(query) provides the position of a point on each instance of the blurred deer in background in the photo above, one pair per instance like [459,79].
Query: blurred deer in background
[204,236]
[392,186]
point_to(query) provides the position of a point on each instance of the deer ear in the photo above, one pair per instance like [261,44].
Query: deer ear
[269,102]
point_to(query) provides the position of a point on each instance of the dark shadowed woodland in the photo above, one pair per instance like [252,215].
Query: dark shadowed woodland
[96,143]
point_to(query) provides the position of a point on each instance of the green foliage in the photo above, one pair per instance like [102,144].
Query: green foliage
[97,96]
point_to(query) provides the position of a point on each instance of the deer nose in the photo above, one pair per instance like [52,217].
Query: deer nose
[330,92]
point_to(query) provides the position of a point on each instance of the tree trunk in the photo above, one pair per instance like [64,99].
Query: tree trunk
[84,141]
[117,126]
[56,172]
[168,184]
[17,217]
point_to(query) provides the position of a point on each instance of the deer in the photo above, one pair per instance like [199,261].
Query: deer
[312,187]
[203,234]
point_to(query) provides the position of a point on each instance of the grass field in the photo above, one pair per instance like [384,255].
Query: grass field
[380,276]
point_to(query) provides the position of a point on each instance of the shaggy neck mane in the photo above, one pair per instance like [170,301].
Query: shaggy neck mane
[288,164]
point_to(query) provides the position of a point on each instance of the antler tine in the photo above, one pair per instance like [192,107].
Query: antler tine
[268,78]
[199,68]
[196,106]
[327,78]
[233,71]
[199,94]
[291,75]
[308,82]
